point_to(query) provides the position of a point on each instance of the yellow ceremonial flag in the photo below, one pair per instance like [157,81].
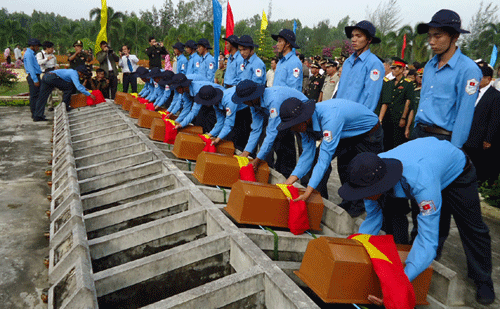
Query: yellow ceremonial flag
[102,36]
[263,24]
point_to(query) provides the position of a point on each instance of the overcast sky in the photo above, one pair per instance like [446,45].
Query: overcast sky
[308,12]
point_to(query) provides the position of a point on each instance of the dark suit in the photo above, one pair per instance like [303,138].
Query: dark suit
[111,73]
[485,128]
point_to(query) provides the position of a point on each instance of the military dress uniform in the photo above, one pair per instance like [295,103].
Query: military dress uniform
[394,95]
[329,85]
[315,86]
[81,59]
[155,54]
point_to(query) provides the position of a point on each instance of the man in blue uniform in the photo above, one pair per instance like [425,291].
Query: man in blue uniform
[253,67]
[234,61]
[207,62]
[441,180]
[182,62]
[194,58]
[289,68]
[449,84]
[347,129]
[363,72]
[142,72]
[186,89]
[65,80]
[156,75]
[228,113]
[265,105]
[33,70]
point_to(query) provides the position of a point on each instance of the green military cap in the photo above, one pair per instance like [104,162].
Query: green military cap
[315,65]
[78,43]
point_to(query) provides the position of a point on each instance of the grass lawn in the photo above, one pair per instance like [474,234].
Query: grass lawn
[19,87]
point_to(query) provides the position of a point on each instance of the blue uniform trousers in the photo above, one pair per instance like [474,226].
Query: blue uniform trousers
[34,93]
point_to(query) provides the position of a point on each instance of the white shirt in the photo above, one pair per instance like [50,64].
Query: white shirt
[496,84]
[17,53]
[481,93]
[270,77]
[44,62]
[123,63]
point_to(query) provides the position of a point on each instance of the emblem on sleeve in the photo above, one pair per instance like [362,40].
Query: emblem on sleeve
[296,72]
[375,74]
[427,208]
[273,113]
[197,64]
[211,66]
[156,84]
[242,67]
[182,66]
[258,72]
[327,136]
[472,86]
[167,88]
[228,112]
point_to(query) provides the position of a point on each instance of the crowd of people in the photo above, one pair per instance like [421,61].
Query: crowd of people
[407,138]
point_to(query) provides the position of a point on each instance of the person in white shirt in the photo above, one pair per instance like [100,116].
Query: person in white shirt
[270,73]
[128,63]
[496,83]
[17,53]
[48,62]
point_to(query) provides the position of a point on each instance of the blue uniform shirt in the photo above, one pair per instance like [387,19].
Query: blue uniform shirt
[334,119]
[226,114]
[289,72]
[448,95]
[207,67]
[270,104]
[31,65]
[232,75]
[195,107]
[147,88]
[193,64]
[155,93]
[429,166]
[183,101]
[71,75]
[182,64]
[164,97]
[254,69]
[362,79]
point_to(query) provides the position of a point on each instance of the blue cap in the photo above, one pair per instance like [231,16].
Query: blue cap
[288,35]
[367,27]
[443,19]
[247,90]
[208,95]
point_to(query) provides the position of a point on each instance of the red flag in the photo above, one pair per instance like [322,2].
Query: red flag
[208,143]
[229,25]
[404,47]
[396,287]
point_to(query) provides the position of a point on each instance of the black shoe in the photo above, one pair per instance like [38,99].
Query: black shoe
[51,109]
[36,119]
[69,109]
[485,293]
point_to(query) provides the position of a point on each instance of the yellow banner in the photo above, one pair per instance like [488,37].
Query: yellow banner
[102,36]
[263,24]
[242,161]
[284,188]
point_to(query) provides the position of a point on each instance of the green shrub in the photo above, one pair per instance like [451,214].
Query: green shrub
[7,77]
[491,193]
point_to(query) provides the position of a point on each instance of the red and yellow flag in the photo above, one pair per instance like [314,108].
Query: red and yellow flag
[396,287]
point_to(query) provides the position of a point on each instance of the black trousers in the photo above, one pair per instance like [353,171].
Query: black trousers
[241,130]
[286,156]
[34,93]
[113,84]
[206,118]
[49,82]
[129,79]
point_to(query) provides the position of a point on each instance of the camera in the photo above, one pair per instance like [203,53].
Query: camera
[110,50]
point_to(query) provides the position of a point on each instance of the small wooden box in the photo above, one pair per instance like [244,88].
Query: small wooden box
[157,132]
[223,170]
[146,118]
[78,100]
[339,270]
[265,204]
[135,109]
[120,97]
[128,103]
[189,146]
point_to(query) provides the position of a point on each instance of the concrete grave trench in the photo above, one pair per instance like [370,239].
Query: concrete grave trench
[132,228]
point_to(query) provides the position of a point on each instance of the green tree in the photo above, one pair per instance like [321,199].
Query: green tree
[113,25]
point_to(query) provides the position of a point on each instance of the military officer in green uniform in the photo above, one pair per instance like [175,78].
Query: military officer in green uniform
[315,83]
[79,57]
[396,101]
[413,110]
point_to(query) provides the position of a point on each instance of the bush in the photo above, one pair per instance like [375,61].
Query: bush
[7,77]
[491,193]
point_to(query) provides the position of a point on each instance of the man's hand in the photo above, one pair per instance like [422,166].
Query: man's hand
[78,49]
[92,96]
[306,194]
[407,132]
[377,301]
[245,154]
[402,122]
[255,163]
[216,141]
[37,84]
[486,145]
[178,126]
[291,180]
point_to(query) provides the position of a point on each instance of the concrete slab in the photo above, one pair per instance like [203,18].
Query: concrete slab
[86,134]
[101,139]
[110,154]
[106,146]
